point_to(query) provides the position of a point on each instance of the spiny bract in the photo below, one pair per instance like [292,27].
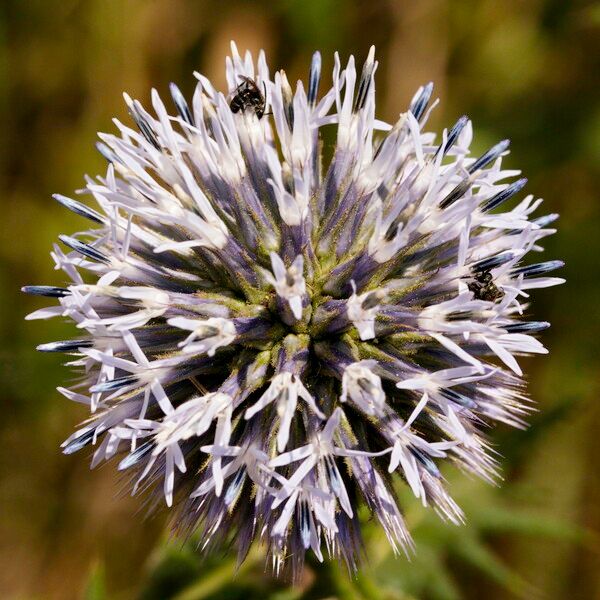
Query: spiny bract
[271,338]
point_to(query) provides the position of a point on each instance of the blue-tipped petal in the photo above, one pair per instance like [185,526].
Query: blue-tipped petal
[366,79]
[527,327]
[460,399]
[491,155]
[107,153]
[80,209]
[314,77]
[114,384]
[234,487]
[419,104]
[546,220]
[504,195]
[493,262]
[456,194]
[135,457]
[46,290]
[538,268]
[143,125]
[79,442]
[454,133]
[427,463]
[180,103]
[83,248]
[65,346]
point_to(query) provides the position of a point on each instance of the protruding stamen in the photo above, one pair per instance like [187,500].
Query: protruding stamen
[372,299]
[362,310]
[289,282]
[363,387]
[392,230]
[207,335]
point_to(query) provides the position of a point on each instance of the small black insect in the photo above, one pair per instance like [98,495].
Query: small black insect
[484,288]
[247,95]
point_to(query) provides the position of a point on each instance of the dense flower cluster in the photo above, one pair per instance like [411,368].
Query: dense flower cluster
[270,336]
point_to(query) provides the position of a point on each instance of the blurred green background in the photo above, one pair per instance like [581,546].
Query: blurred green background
[524,69]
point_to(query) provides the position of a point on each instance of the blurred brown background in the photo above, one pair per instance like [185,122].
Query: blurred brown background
[524,69]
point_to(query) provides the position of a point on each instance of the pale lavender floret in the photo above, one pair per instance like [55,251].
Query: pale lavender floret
[271,340]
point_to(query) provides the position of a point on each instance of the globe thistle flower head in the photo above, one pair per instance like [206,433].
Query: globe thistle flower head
[271,340]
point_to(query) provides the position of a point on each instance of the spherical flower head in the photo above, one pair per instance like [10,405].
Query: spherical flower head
[270,339]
